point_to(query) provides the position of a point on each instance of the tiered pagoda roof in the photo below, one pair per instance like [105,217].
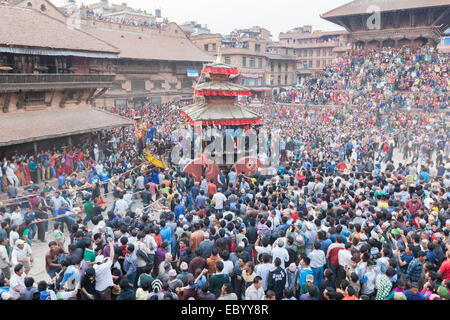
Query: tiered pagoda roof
[219,106]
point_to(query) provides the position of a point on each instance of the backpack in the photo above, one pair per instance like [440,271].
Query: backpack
[141,254]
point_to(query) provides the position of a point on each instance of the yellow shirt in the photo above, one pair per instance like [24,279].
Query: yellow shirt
[170,198]
[383,204]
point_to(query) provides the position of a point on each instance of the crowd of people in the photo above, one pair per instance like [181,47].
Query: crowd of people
[356,210]
[395,78]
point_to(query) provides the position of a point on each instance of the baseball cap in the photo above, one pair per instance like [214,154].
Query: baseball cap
[309,278]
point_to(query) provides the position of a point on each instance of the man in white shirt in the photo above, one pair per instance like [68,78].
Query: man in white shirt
[274,219]
[99,168]
[17,217]
[255,291]
[344,256]
[22,254]
[128,197]
[262,246]
[103,276]
[16,284]
[141,245]
[4,215]
[121,206]
[10,169]
[96,153]
[219,198]
[263,270]
[151,243]
[13,235]
[58,201]
[5,264]
[278,251]
[139,184]
[227,264]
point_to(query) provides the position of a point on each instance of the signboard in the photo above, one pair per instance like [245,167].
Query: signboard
[192,72]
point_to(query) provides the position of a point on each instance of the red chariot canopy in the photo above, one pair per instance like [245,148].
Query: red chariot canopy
[234,93]
[221,70]
[227,93]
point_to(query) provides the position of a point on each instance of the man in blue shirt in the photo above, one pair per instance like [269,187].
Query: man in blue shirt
[339,231]
[424,175]
[200,201]
[305,271]
[166,234]
[195,191]
[179,209]
[415,267]
[232,175]
[188,202]
[71,274]
[150,134]
[330,168]
[68,219]
[30,216]
[61,181]
[104,177]
[413,293]
[130,265]
[94,178]
[155,175]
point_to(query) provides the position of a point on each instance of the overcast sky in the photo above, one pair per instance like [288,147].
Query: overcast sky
[222,16]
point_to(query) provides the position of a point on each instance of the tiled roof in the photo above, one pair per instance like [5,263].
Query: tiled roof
[150,46]
[21,27]
[22,127]
[360,6]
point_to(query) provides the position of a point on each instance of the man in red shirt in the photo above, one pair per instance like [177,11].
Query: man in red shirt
[341,166]
[444,270]
[413,204]
[350,293]
[212,189]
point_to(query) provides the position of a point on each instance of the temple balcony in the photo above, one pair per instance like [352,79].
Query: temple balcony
[10,82]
